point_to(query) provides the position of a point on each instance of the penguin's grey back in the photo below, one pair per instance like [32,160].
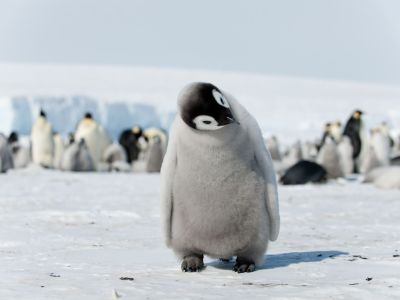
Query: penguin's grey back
[154,155]
[345,151]
[77,158]
[272,145]
[329,158]
[381,144]
[385,177]
[369,161]
[113,153]
[6,157]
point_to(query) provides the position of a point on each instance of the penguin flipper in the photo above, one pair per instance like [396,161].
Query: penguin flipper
[167,176]
[264,162]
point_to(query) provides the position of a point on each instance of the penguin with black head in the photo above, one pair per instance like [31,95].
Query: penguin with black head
[352,130]
[218,188]
[129,140]
[42,141]
[21,153]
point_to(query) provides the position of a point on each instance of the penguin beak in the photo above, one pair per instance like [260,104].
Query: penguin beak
[232,120]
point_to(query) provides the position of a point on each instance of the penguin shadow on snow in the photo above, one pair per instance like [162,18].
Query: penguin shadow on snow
[273,261]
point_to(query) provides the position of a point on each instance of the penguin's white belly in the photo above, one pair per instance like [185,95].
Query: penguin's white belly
[42,148]
[219,204]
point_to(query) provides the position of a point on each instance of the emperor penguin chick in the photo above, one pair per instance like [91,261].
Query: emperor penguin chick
[154,155]
[272,145]
[6,157]
[329,158]
[77,158]
[218,186]
[345,150]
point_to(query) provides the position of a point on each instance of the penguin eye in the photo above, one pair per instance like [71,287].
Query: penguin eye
[220,98]
[203,122]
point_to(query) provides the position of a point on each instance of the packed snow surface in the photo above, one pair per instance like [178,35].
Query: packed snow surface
[74,236]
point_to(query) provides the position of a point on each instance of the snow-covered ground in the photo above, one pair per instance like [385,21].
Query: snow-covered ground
[74,236]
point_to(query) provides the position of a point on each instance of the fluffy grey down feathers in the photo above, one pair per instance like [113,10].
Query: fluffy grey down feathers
[219,190]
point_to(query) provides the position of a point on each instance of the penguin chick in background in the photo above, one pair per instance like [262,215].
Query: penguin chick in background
[77,158]
[154,155]
[345,150]
[6,157]
[218,185]
[42,141]
[380,141]
[272,144]
[329,158]
[58,150]
[21,154]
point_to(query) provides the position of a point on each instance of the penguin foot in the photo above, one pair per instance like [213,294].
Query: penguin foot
[244,265]
[192,263]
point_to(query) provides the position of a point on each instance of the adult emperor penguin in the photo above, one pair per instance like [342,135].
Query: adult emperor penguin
[218,189]
[42,141]
[95,137]
[353,129]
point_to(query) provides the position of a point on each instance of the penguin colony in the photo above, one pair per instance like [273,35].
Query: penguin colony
[88,149]
[341,152]
[346,152]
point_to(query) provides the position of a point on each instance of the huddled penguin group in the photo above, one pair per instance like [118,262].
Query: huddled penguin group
[88,149]
[340,153]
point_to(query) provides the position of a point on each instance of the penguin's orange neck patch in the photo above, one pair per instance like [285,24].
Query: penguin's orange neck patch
[357,115]
[86,121]
[135,130]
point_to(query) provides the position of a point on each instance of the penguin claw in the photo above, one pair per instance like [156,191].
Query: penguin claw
[192,264]
[243,265]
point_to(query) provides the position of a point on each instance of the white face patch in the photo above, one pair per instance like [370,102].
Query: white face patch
[220,98]
[204,122]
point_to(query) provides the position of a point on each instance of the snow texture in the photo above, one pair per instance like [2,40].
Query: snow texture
[82,236]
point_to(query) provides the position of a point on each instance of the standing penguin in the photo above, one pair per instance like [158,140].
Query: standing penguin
[218,188]
[154,155]
[380,141]
[129,140]
[95,137]
[272,145]
[329,158]
[58,150]
[152,132]
[42,141]
[21,154]
[6,157]
[352,129]
[345,151]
